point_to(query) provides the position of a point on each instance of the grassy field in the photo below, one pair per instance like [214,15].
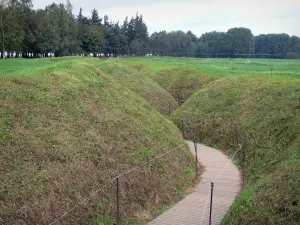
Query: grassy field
[69,125]
[71,116]
[219,68]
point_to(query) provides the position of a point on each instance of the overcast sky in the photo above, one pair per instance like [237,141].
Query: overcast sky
[199,16]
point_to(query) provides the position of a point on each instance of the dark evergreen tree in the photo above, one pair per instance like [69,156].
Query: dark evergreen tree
[108,36]
[95,19]
[12,33]
[124,49]
[138,36]
[90,33]
[124,28]
[131,30]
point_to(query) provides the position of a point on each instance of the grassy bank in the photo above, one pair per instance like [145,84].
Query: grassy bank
[141,84]
[69,125]
[268,111]
[261,97]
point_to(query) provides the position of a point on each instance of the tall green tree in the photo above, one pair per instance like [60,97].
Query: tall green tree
[12,34]
[55,29]
[46,38]
[116,36]
[108,35]
[3,11]
[124,28]
[274,44]
[63,23]
[124,49]
[295,44]
[95,19]
[24,10]
[192,36]
[159,43]
[138,36]
[241,40]
[90,33]
[216,43]
[202,49]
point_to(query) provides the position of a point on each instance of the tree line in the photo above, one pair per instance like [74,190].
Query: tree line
[55,30]
[236,42]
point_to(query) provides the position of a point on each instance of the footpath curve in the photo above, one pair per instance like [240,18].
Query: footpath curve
[195,208]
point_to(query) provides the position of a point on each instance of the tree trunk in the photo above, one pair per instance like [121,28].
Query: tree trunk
[2,5]
[1,21]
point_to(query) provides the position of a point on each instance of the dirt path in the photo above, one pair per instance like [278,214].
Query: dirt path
[194,209]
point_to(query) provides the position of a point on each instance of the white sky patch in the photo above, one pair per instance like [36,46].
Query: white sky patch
[199,16]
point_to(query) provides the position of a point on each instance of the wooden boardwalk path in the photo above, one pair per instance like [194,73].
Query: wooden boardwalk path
[194,209]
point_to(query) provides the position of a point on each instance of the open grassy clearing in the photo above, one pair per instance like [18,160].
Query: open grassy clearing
[32,67]
[69,125]
[218,68]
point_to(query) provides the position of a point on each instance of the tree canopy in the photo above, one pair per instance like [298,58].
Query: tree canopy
[236,42]
[55,29]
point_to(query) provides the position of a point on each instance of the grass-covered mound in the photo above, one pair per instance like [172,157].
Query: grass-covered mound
[65,129]
[268,110]
[181,82]
[144,86]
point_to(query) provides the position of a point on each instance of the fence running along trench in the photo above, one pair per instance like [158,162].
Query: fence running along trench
[212,126]
[115,202]
[219,130]
[111,191]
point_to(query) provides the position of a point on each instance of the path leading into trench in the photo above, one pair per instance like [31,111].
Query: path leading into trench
[195,208]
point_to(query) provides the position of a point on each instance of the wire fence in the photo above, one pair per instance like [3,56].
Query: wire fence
[129,197]
[265,64]
[135,196]
[213,130]
[185,54]
[217,132]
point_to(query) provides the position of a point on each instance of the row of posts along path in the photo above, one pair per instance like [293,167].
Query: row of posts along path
[195,208]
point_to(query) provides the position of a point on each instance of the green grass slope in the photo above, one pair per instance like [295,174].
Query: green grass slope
[181,82]
[66,127]
[268,110]
[32,67]
[144,86]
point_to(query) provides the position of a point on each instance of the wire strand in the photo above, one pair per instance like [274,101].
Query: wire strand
[111,181]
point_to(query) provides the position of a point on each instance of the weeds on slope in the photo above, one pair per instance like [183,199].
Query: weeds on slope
[67,128]
[268,110]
